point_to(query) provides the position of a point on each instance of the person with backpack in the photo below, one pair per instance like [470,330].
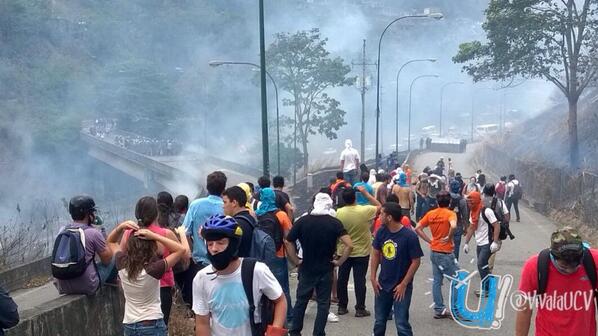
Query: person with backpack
[337,190]
[318,232]
[234,201]
[514,194]
[200,210]
[144,212]
[567,273]
[277,224]
[396,250]
[235,296]
[357,220]
[487,234]
[255,243]
[501,188]
[141,267]
[471,186]
[9,313]
[459,206]
[73,258]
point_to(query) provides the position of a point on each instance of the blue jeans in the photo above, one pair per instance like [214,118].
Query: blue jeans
[146,328]
[385,302]
[280,269]
[308,283]
[484,254]
[457,241]
[442,263]
[421,207]
[350,176]
[107,273]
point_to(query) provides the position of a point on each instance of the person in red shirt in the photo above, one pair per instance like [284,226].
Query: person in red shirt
[568,306]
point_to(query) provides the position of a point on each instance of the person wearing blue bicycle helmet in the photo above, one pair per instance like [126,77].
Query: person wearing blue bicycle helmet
[220,302]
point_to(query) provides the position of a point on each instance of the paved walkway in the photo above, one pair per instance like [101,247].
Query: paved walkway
[532,235]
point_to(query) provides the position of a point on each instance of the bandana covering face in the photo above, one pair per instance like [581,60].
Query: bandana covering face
[268,199]
[247,191]
[348,144]
[323,205]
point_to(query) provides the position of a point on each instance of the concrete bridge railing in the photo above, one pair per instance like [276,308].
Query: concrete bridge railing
[98,315]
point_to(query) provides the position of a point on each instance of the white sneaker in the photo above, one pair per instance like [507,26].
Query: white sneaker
[332,318]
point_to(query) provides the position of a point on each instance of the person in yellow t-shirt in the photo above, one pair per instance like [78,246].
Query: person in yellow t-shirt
[357,220]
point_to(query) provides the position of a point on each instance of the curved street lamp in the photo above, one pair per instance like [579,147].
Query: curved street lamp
[397,96]
[441,96]
[410,91]
[433,15]
[219,63]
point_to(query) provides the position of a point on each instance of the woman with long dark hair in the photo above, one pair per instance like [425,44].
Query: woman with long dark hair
[147,214]
[141,265]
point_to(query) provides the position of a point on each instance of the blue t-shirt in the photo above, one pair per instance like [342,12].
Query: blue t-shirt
[361,200]
[396,252]
[199,211]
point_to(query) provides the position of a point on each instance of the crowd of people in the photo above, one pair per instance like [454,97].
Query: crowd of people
[148,146]
[229,253]
[102,128]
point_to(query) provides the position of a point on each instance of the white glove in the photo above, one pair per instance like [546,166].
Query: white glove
[494,247]
[466,248]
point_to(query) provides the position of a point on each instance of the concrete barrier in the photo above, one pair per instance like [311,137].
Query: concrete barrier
[19,276]
[98,315]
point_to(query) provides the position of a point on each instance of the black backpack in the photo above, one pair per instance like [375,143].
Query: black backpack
[68,255]
[337,196]
[262,245]
[587,262]
[517,191]
[505,230]
[265,305]
[270,225]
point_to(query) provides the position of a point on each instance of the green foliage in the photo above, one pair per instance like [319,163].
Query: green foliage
[549,39]
[305,69]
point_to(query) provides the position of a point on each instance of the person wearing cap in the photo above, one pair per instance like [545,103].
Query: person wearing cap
[565,268]
[84,215]
[220,302]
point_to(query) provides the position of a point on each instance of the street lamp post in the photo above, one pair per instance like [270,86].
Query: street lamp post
[428,15]
[410,91]
[219,63]
[397,96]
[264,94]
[441,99]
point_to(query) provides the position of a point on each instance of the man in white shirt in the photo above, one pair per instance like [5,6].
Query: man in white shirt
[350,162]
[513,194]
[220,302]
[486,234]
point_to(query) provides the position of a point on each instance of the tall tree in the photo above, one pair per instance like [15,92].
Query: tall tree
[550,39]
[305,70]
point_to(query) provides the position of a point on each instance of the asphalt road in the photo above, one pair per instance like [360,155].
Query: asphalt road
[532,235]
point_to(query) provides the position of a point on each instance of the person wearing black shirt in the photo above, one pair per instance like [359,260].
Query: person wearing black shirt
[283,201]
[318,232]
[234,199]
[9,315]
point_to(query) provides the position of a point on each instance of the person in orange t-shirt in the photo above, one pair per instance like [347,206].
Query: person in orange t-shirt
[442,223]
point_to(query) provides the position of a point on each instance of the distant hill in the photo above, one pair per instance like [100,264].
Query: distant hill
[544,138]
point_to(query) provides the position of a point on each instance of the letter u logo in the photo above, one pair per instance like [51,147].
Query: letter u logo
[491,307]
